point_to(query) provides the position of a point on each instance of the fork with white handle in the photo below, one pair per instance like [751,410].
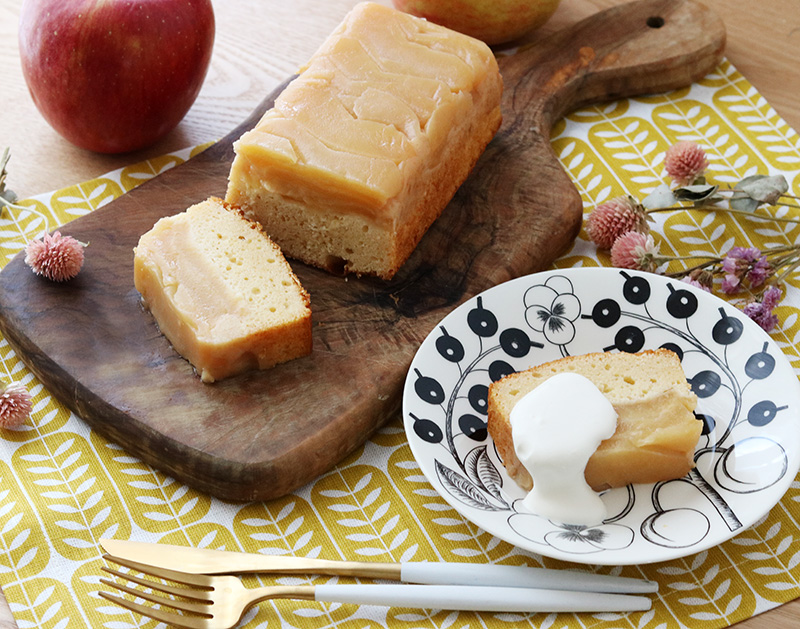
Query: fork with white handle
[219,602]
[211,561]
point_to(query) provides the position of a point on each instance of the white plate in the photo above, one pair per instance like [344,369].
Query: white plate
[749,398]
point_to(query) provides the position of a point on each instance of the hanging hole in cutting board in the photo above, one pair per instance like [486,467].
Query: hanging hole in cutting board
[655,22]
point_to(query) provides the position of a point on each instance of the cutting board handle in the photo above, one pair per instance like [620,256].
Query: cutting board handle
[633,49]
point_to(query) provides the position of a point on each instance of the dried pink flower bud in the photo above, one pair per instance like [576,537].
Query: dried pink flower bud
[695,283]
[609,220]
[685,162]
[701,278]
[633,250]
[745,263]
[761,311]
[55,257]
[15,405]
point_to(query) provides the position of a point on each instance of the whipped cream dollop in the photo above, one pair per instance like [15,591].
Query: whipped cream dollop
[556,428]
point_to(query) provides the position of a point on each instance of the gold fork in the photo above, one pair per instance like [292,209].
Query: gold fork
[219,602]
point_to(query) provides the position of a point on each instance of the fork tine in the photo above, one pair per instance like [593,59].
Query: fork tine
[200,595]
[187,606]
[188,622]
[179,577]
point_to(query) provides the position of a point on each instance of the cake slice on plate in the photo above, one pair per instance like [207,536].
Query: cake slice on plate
[657,431]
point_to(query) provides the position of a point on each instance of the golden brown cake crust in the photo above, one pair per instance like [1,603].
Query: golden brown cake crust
[221,291]
[657,431]
[319,224]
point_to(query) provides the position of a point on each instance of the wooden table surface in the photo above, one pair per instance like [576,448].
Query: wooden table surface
[261,42]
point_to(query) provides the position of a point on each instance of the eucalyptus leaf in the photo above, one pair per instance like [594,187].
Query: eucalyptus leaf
[763,188]
[696,193]
[661,197]
[7,197]
[744,204]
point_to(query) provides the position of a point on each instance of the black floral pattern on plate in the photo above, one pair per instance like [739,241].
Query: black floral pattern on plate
[729,364]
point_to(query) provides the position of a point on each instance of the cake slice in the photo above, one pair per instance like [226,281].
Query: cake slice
[656,433]
[221,291]
[364,149]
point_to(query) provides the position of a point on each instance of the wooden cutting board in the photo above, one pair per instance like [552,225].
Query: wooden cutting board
[262,435]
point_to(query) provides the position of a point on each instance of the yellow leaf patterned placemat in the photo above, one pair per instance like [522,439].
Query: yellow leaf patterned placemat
[63,488]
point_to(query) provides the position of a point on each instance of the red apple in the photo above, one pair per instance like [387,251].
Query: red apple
[493,21]
[115,75]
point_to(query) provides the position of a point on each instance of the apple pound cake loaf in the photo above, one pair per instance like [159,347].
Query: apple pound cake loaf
[364,149]
[221,291]
[656,432]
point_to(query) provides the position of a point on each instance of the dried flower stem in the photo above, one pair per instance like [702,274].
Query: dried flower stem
[788,270]
[716,208]
[776,261]
[621,225]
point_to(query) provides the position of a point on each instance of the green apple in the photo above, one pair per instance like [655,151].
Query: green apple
[493,21]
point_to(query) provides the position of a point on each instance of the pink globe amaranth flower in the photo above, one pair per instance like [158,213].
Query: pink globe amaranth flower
[55,257]
[609,220]
[685,162]
[15,405]
[633,250]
